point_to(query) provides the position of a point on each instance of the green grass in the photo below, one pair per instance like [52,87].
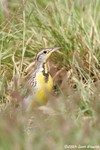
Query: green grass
[73,116]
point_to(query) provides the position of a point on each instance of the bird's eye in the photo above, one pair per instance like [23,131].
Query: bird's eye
[45,52]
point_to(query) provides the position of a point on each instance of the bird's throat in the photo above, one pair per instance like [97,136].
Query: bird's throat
[45,71]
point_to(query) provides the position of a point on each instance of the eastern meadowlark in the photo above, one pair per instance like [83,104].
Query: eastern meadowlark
[40,81]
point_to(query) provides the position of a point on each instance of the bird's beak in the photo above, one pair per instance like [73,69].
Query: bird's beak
[51,51]
[54,49]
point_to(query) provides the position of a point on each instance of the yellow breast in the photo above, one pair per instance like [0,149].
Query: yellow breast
[43,88]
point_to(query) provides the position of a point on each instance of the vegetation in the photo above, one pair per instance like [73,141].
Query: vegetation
[72,115]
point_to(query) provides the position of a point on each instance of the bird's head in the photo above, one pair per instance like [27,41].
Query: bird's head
[43,55]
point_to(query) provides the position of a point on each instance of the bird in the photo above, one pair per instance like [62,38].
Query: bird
[40,82]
